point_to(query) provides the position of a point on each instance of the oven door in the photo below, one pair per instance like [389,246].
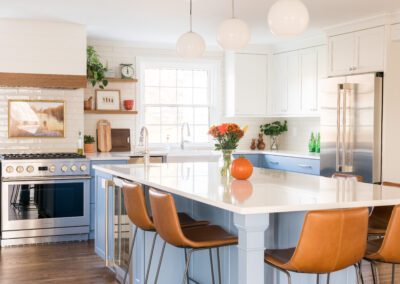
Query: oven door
[45,203]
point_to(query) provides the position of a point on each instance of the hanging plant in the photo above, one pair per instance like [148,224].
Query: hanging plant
[95,69]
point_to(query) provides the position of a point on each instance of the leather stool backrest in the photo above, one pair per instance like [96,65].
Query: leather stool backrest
[331,240]
[390,249]
[166,219]
[349,176]
[135,205]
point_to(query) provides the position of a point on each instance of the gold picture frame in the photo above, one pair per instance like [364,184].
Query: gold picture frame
[108,100]
[36,119]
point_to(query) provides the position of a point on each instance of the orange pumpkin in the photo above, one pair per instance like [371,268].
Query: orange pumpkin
[241,168]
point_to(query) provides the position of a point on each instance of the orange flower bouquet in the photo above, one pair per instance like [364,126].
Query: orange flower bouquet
[226,136]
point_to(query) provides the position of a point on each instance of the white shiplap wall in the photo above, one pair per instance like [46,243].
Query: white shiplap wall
[73,120]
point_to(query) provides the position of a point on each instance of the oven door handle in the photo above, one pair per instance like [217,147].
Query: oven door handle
[33,179]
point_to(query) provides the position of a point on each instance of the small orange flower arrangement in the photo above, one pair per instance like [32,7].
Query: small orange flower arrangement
[227,135]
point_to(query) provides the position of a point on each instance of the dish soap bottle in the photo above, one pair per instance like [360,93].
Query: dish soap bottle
[80,144]
[318,143]
[311,143]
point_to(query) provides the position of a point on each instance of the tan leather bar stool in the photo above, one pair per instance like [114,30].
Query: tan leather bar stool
[344,175]
[380,216]
[191,239]
[135,205]
[387,249]
[330,240]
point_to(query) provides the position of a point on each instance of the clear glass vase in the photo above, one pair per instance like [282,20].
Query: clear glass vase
[225,162]
[274,142]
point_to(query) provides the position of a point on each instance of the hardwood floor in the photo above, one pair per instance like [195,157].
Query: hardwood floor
[53,263]
[77,263]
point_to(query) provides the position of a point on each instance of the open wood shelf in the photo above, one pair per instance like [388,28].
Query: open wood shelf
[111,112]
[120,80]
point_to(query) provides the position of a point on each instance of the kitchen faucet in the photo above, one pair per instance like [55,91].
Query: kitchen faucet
[187,133]
[144,141]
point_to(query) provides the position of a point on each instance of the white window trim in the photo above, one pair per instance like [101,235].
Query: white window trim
[213,66]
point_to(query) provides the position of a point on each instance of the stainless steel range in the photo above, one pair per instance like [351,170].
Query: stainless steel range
[44,198]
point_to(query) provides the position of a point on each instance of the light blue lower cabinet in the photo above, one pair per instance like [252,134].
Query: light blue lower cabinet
[253,158]
[93,189]
[103,233]
[291,164]
[284,163]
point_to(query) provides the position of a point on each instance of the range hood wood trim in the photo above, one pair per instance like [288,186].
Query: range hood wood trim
[52,81]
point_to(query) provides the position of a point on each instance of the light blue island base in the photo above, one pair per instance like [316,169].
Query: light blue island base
[279,230]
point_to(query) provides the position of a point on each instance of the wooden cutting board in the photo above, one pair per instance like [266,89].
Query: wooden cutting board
[121,140]
[104,136]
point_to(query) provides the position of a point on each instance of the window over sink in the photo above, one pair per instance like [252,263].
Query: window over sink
[172,94]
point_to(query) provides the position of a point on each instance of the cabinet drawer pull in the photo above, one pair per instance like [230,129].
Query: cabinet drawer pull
[305,166]
[274,163]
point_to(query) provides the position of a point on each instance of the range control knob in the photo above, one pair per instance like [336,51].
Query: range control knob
[30,169]
[52,168]
[64,168]
[83,168]
[10,169]
[20,169]
[74,168]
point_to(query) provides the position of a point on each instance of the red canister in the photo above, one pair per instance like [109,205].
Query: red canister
[128,104]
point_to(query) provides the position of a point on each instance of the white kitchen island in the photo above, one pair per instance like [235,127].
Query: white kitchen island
[251,206]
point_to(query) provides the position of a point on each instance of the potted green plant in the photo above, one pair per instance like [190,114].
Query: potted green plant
[273,130]
[96,72]
[89,143]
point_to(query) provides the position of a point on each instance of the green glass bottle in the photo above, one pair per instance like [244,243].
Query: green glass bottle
[311,143]
[318,143]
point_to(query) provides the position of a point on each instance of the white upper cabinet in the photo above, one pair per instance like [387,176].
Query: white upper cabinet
[357,52]
[294,82]
[246,84]
[309,78]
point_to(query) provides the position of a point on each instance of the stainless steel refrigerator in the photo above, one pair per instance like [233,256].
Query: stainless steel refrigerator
[351,126]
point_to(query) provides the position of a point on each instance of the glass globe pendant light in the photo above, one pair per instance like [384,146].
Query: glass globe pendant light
[233,34]
[190,44]
[288,18]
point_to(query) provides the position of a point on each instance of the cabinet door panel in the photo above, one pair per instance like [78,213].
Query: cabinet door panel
[370,45]
[251,74]
[293,83]
[309,79]
[279,94]
[341,54]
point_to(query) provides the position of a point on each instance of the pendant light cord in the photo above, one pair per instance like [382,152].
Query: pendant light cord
[190,15]
[233,9]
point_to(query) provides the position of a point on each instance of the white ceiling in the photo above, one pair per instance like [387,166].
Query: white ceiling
[163,21]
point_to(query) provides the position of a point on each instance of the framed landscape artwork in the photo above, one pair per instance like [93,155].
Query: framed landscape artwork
[108,100]
[36,119]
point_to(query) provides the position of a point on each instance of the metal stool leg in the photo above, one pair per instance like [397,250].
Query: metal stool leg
[187,275]
[373,272]
[130,254]
[328,278]
[187,266]
[212,266]
[393,271]
[151,258]
[360,271]
[357,273]
[159,263]
[317,278]
[219,267]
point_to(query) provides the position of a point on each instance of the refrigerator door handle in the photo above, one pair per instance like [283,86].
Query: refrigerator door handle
[344,129]
[338,164]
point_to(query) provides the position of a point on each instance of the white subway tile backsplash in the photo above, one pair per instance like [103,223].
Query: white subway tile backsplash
[73,120]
